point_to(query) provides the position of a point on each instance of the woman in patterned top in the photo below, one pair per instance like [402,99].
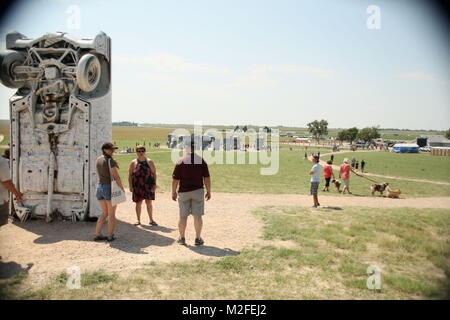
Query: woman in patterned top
[142,181]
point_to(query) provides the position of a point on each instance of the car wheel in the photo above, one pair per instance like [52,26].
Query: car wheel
[8,61]
[88,72]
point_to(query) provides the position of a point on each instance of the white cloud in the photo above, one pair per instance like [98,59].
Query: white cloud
[163,62]
[269,76]
[415,76]
[319,72]
[259,76]
[250,80]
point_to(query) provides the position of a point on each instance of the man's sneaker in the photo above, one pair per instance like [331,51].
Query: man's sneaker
[182,241]
[199,241]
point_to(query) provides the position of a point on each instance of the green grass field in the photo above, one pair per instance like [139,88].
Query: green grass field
[293,171]
[293,177]
[420,166]
[327,257]
[4,130]
[158,132]
[128,137]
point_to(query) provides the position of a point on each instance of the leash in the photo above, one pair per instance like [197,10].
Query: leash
[367,178]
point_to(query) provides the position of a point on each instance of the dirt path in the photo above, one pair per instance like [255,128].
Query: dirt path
[336,167]
[228,227]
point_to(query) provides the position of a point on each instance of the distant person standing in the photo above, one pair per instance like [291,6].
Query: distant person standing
[306,156]
[190,175]
[363,164]
[356,164]
[332,158]
[318,154]
[142,182]
[328,174]
[316,173]
[353,162]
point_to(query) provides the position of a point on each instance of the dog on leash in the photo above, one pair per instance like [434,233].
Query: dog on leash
[379,187]
[394,193]
[337,184]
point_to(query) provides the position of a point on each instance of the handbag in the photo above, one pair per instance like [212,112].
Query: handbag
[117,194]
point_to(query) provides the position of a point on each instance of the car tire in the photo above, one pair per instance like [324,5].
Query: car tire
[88,72]
[8,61]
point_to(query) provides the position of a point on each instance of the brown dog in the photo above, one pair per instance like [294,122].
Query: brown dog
[337,184]
[379,187]
[394,193]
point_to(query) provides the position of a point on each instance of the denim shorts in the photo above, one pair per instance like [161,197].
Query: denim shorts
[103,192]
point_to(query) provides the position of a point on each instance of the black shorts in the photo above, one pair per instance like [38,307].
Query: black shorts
[327,182]
[4,213]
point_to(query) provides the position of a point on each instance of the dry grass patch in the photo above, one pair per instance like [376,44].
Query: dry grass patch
[325,255]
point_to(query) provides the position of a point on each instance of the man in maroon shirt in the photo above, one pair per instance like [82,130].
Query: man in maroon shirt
[190,172]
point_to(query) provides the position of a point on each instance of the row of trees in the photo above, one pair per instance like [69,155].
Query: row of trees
[124,124]
[319,128]
[244,129]
[365,134]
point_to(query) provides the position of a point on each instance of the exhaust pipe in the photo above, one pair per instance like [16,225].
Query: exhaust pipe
[51,179]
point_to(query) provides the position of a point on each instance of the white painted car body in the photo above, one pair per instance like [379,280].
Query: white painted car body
[60,117]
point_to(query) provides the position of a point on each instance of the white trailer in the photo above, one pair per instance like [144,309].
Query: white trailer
[260,143]
[60,117]
[232,143]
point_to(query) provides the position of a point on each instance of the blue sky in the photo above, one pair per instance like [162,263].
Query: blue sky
[262,62]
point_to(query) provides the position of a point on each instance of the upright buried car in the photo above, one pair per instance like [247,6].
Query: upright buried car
[60,116]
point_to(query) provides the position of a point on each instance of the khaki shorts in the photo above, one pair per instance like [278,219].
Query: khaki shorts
[314,187]
[192,202]
[346,182]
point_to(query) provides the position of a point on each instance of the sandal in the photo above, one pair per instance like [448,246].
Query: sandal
[111,238]
[153,223]
[182,241]
[137,223]
[100,238]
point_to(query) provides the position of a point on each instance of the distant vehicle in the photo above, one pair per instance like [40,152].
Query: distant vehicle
[425,149]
